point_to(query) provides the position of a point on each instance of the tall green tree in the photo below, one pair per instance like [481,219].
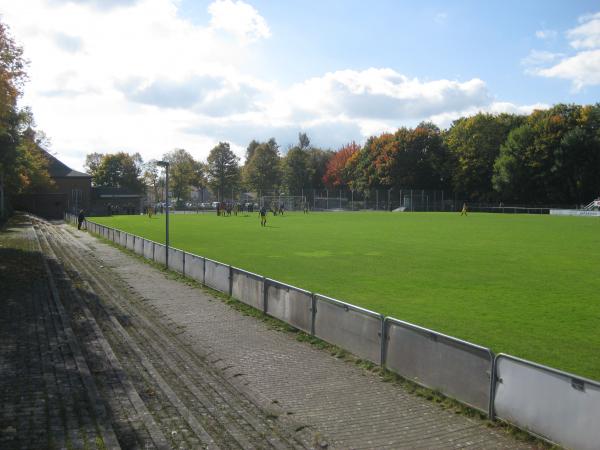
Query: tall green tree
[223,172]
[317,165]
[474,144]
[262,173]
[184,172]
[22,164]
[554,157]
[296,172]
[121,170]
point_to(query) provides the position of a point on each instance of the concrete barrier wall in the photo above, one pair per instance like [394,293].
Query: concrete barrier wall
[216,275]
[117,237]
[562,407]
[130,242]
[248,288]
[148,249]
[290,304]
[138,246]
[160,253]
[456,368]
[176,260]
[194,267]
[123,239]
[355,329]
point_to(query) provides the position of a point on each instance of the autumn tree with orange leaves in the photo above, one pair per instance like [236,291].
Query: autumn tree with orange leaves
[337,174]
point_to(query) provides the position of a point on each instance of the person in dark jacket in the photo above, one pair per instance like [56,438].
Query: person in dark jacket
[80,220]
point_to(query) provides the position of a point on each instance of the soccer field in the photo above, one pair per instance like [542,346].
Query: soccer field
[521,284]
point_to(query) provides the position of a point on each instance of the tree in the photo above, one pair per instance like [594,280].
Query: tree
[317,166]
[120,170]
[12,79]
[337,174]
[552,158]
[151,178]
[474,144]
[250,149]
[295,170]
[223,170]
[92,163]
[32,163]
[303,141]
[262,172]
[184,172]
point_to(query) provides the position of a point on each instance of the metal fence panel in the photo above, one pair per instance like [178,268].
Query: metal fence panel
[117,237]
[216,275]
[160,253]
[456,368]
[176,260]
[558,406]
[194,267]
[148,249]
[248,288]
[105,231]
[130,242]
[290,304]
[138,246]
[355,329]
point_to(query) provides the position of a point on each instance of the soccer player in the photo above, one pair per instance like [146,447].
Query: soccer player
[263,216]
[464,209]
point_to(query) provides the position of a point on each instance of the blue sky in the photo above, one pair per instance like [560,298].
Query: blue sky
[153,75]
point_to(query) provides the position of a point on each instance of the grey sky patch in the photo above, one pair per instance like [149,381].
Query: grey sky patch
[239,100]
[170,94]
[327,134]
[68,43]
[369,105]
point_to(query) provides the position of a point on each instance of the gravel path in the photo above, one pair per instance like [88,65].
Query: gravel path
[305,395]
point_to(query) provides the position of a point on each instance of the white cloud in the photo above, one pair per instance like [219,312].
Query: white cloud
[239,19]
[582,68]
[586,35]
[135,76]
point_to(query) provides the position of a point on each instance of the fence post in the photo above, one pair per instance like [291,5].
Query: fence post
[265,294]
[230,281]
[313,313]
[491,414]
[204,271]
[183,263]
[383,347]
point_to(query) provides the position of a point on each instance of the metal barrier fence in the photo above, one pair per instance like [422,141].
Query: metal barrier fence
[248,288]
[216,275]
[356,329]
[288,303]
[455,367]
[557,406]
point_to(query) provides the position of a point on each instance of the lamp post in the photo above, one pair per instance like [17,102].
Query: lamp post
[165,164]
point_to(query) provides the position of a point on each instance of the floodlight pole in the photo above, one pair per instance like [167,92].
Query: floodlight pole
[165,164]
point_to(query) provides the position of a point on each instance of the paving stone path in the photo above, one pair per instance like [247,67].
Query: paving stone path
[336,404]
[101,350]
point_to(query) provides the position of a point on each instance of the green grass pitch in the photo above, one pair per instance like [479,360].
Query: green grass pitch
[521,284]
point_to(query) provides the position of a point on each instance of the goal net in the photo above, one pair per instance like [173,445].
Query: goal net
[289,202]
